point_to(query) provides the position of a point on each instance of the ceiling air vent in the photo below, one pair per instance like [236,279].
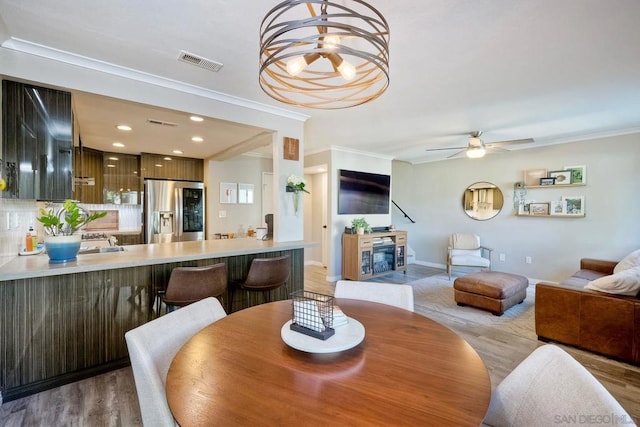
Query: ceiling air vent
[161,123]
[199,61]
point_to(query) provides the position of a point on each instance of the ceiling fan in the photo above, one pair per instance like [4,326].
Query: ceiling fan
[477,148]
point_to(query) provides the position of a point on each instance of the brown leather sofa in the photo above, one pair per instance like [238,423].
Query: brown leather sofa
[596,321]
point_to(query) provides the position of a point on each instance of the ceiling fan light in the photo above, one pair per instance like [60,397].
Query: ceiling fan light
[476,152]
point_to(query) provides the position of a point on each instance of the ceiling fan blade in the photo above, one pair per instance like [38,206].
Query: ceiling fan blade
[459,152]
[496,149]
[450,148]
[512,142]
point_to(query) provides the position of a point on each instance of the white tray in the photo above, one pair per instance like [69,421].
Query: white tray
[39,250]
[346,337]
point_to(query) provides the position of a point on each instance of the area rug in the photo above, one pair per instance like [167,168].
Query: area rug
[433,297]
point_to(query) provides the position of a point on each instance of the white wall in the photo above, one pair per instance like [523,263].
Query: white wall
[242,169]
[431,194]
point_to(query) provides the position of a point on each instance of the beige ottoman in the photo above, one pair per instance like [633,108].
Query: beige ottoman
[490,290]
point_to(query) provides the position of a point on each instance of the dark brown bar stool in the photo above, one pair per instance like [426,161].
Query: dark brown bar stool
[190,284]
[265,274]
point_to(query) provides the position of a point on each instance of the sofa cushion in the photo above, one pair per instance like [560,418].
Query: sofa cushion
[626,282]
[630,261]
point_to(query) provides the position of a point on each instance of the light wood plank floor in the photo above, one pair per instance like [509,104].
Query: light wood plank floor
[110,399]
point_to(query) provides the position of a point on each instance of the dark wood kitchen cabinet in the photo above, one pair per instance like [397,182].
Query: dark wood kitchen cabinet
[156,166]
[89,176]
[37,142]
[121,178]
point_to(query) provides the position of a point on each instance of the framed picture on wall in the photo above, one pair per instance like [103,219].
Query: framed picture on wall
[573,205]
[556,207]
[245,193]
[578,174]
[561,177]
[228,192]
[547,181]
[539,209]
[532,177]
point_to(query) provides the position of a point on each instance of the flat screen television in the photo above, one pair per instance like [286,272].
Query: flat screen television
[361,193]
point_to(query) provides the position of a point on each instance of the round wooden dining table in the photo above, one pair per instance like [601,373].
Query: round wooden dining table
[408,370]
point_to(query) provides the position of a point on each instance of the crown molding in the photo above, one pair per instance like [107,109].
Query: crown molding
[360,152]
[27,47]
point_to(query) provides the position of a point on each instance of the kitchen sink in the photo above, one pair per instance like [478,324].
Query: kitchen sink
[94,250]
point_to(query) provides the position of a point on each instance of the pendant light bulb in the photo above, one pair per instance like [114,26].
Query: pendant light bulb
[296,65]
[347,70]
[331,41]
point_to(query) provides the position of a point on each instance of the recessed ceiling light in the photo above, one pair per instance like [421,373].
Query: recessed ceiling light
[167,158]
[197,139]
[118,144]
[135,172]
[111,166]
[177,151]
[159,165]
[125,128]
[196,118]
[113,158]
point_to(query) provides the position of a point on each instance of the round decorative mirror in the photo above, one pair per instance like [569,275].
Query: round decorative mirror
[482,200]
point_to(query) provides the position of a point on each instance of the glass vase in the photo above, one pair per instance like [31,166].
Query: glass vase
[296,200]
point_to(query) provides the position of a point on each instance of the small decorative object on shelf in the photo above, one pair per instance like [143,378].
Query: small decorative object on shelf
[312,314]
[547,181]
[295,185]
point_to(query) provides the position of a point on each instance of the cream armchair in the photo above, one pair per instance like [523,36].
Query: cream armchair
[551,388]
[465,251]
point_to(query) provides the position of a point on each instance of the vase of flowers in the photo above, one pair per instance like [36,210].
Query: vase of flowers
[295,185]
[60,241]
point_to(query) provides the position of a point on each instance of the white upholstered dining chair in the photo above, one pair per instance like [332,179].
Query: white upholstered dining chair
[153,346]
[550,387]
[465,251]
[400,296]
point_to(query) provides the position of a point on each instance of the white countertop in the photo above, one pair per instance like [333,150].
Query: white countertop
[24,267]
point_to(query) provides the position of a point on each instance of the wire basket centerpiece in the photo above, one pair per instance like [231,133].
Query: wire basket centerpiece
[312,314]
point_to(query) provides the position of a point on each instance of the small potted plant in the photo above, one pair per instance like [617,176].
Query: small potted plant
[61,243]
[361,225]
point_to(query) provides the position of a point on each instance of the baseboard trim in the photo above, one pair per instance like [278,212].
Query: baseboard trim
[36,387]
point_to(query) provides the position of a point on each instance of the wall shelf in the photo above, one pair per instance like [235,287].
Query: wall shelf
[553,216]
[554,186]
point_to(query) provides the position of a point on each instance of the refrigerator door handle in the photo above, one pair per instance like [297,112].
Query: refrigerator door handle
[178,209]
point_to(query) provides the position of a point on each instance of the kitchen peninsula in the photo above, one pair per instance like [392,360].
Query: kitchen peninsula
[61,323]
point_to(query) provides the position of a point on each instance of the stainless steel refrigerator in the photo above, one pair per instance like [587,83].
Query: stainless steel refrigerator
[173,211]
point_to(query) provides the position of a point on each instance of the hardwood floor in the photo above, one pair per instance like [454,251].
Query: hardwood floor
[110,399]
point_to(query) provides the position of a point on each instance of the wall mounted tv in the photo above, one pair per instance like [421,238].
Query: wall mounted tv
[362,193]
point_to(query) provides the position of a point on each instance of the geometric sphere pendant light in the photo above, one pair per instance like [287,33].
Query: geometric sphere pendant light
[325,54]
